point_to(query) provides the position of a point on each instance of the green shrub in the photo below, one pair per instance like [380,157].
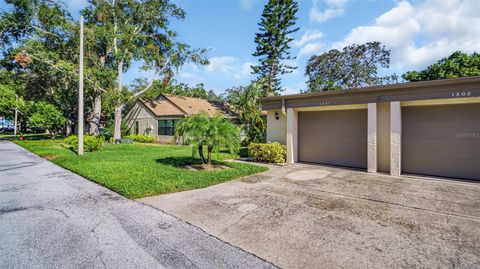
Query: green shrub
[90,143]
[270,153]
[142,138]
[71,140]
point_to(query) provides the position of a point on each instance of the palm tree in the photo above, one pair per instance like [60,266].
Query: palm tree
[216,132]
[245,102]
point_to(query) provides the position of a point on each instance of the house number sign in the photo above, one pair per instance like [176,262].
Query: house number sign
[461,94]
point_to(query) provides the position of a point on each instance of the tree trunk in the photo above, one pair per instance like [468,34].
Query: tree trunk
[200,152]
[209,154]
[68,128]
[97,112]
[117,133]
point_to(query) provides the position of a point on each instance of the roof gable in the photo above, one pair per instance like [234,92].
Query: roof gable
[174,105]
[163,107]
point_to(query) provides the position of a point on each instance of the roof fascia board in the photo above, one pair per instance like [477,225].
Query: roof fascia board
[467,88]
[151,112]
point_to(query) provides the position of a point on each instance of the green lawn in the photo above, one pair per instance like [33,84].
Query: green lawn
[139,170]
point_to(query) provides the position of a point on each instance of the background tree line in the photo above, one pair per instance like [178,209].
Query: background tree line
[39,57]
[39,62]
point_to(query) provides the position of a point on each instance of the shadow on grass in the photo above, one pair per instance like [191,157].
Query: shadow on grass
[243,152]
[29,137]
[181,162]
[69,147]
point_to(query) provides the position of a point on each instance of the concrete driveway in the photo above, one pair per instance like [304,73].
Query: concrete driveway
[52,218]
[309,216]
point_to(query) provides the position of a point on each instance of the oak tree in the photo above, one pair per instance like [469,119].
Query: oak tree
[139,30]
[353,66]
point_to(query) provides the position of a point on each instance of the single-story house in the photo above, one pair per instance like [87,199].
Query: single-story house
[430,127]
[158,117]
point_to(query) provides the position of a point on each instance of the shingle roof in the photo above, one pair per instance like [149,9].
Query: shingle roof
[173,105]
[192,105]
[163,108]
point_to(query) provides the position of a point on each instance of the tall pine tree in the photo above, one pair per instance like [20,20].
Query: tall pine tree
[276,26]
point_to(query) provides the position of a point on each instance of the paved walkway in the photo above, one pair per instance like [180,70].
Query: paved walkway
[52,218]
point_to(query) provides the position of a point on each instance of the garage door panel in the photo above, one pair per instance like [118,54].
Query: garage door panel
[337,143]
[333,137]
[335,129]
[443,148]
[334,157]
[443,167]
[442,129]
[442,140]
[418,113]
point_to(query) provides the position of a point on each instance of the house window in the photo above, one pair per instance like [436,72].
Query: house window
[136,128]
[166,127]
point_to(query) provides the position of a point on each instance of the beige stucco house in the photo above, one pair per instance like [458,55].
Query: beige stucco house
[159,117]
[430,128]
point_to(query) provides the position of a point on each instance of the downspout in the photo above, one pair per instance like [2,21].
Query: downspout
[284,110]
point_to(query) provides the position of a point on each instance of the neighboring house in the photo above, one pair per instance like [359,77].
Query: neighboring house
[430,127]
[159,117]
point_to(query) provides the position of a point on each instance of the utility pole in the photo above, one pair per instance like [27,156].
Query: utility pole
[80,93]
[16,116]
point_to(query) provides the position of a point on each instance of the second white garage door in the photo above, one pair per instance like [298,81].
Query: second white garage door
[333,137]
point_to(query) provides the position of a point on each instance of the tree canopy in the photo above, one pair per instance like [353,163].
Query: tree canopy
[354,66]
[273,39]
[47,116]
[39,46]
[39,41]
[139,30]
[457,65]
[7,101]
[174,87]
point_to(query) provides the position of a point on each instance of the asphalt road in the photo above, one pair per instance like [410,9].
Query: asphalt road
[52,218]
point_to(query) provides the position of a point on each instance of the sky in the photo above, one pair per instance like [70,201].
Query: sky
[418,33]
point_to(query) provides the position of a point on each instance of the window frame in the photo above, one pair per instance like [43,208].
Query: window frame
[168,127]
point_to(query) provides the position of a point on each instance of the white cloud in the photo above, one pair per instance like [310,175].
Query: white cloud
[419,34]
[229,66]
[336,3]
[190,78]
[309,43]
[246,4]
[244,71]
[222,64]
[308,36]
[311,48]
[335,8]
[327,14]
